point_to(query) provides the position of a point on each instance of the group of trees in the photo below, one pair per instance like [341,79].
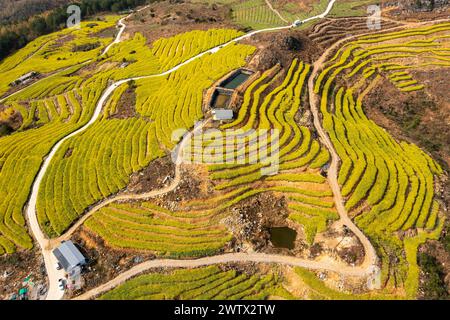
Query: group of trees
[21,10]
[17,35]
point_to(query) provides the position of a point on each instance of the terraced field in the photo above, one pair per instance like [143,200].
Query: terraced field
[255,14]
[56,51]
[64,101]
[45,122]
[206,283]
[101,110]
[136,141]
[388,185]
[330,30]
[149,227]
[301,156]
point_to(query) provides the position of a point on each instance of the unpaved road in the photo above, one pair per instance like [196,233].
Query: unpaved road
[370,258]
[224,258]
[142,196]
[275,11]
[367,269]
[46,245]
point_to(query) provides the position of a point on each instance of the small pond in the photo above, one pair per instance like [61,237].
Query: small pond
[283,237]
[235,81]
[220,100]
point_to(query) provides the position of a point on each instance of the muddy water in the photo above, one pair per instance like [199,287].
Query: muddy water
[283,237]
[221,100]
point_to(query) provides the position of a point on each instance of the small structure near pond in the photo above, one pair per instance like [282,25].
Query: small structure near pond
[222,114]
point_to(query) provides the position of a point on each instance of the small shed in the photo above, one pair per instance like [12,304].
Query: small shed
[69,256]
[222,114]
[24,78]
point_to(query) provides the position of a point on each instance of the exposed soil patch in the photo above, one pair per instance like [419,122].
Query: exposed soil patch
[125,108]
[434,259]
[417,10]
[283,47]
[422,117]
[105,33]
[339,242]
[63,40]
[191,186]
[168,18]
[68,153]
[155,176]
[251,220]
[16,267]
[86,47]
[10,120]
[353,255]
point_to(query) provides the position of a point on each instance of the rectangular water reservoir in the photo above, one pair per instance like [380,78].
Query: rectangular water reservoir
[220,100]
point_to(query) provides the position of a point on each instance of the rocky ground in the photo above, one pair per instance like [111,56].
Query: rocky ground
[16,269]
[168,18]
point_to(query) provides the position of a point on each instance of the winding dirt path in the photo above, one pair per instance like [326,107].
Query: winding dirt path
[275,11]
[46,245]
[142,196]
[368,268]
[370,258]
[224,258]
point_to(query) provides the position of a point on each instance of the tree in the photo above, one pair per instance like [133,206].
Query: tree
[39,26]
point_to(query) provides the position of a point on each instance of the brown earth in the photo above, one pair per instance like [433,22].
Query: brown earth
[63,40]
[251,219]
[339,242]
[422,117]
[126,106]
[189,187]
[168,18]
[438,250]
[105,33]
[283,47]
[328,31]
[10,120]
[160,172]
[416,10]
[16,267]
